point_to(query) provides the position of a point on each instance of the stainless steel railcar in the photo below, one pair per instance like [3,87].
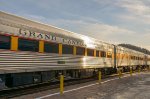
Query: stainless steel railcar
[126,58]
[31,52]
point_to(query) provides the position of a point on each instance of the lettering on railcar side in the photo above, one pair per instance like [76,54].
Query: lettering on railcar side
[49,37]
[23,32]
[40,36]
[32,34]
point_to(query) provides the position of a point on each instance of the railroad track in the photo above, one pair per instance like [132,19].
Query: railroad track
[24,90]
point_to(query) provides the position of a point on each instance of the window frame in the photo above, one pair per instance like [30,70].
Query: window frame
[103,53]
[110,56]
[36,49]
[68,46]
[89,53]
[9,44]
[80,53]
[97,53]
[46,42]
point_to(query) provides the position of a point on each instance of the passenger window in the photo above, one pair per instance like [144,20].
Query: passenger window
[103,54]
[80,51]
[5,42]
[97,53]
[109,55]
[28,45]
[134,58]
[51,47]
[67,49]
[90,52]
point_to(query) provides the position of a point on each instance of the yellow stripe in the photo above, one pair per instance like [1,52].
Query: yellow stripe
[14,43]
[60,49]
[41,46]
[106,54]
[94,53]
[74,50]
[113,56]
[85,51]
[99,53]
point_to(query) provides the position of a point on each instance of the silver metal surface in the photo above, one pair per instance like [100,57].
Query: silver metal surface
[25,61]
[11,24]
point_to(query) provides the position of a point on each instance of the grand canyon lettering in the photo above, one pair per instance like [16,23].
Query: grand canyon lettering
[49,37]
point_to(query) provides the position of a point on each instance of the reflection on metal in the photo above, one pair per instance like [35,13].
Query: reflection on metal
[88,42]
[84,61]
[21,61]
[18,26]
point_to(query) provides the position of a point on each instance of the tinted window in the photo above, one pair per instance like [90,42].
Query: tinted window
[109,55]
[97,53]
[80,51]
[67,49]
[136,58]
[4,42]
[90,52]
[51,47]
[133,57]
[28,45]
[142,58]
[103,54]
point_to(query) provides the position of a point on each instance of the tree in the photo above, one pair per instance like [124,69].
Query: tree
[136,48]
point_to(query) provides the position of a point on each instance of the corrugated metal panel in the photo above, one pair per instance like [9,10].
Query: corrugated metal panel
[32,61]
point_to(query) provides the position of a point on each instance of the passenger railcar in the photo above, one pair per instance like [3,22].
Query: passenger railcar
[31,52]
[126,58]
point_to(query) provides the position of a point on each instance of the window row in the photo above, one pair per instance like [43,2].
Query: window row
[136,58]
[33,45]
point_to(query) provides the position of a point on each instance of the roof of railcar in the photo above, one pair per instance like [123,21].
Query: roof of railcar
[46,27]
[130,50]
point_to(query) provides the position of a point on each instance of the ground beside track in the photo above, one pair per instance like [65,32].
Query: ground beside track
[128,87]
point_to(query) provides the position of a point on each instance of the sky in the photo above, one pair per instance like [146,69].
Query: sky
[112,21]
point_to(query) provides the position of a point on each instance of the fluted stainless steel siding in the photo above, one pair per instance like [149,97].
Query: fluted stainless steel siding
[24,61]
